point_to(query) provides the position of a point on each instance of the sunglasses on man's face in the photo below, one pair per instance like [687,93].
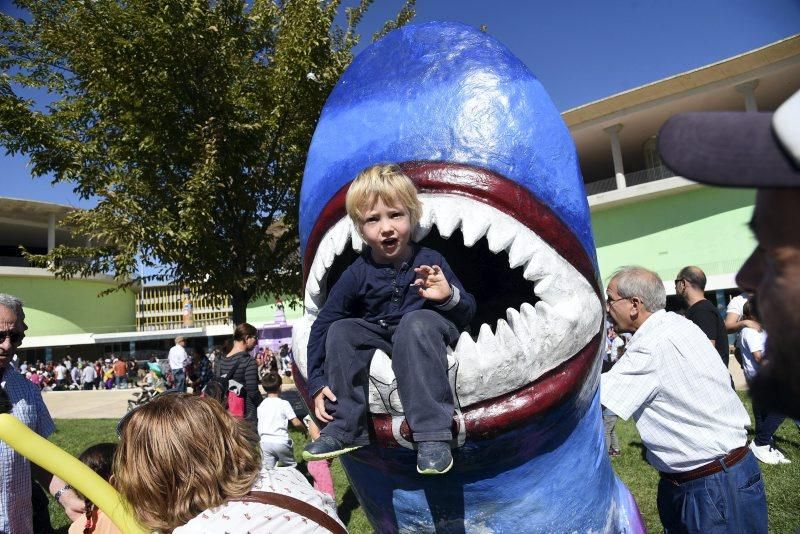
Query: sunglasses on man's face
[15,337]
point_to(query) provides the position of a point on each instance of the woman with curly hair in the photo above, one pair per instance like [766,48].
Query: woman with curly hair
[187,465]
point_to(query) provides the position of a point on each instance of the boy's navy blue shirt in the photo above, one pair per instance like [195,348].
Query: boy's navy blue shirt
[381,294]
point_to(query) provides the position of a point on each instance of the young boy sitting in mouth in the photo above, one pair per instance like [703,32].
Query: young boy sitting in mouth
[400,298]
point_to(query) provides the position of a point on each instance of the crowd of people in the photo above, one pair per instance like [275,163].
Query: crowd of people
[193,368]
[109,373]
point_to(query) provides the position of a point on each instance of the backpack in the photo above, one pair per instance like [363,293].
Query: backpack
[222,387]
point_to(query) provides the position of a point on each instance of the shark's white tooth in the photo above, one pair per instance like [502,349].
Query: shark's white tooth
[506,338]
[521,250]
[318,271]
[328,252]
[518,324]
[528,313]
[358,243]
[474,226]
[486,341]
[425,222]
[447,219]
[420,233]
[540,264]
[487,355]
[466,350]
[312,285]
[313,302]
[544,286]
[341,236]
[500,234]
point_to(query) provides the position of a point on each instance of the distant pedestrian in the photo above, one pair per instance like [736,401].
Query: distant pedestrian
[177,363]
[690,285]
[121,373]
[60,372]
[752,344]
[274,415]
[75,376]
[88,376]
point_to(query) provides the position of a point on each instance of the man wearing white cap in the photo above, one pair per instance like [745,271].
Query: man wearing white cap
[762,150]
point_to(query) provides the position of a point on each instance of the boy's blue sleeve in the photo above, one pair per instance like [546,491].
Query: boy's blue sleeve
[461,307]
[337,306]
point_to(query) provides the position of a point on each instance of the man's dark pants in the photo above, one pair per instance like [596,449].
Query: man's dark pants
[767,424]
[179,380]
[731,501]
[418,348]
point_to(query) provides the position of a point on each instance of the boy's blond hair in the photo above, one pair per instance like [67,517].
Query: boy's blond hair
[388,182]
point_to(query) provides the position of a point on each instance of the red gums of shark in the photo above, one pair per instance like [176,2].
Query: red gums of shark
[492,416]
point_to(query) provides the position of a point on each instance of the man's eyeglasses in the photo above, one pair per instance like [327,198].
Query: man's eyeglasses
[678,280]
[15,337]
[610,301]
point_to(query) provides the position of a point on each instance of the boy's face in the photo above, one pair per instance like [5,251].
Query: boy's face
[387,231]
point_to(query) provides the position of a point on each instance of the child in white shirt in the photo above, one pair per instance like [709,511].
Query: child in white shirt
[274,414]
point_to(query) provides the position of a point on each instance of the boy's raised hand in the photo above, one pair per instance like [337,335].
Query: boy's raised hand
[432,283]
[319,404]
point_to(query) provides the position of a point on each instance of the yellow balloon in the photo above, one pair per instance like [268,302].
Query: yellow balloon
[65,466]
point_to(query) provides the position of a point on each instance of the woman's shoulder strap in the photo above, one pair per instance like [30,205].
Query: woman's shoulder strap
[297,506]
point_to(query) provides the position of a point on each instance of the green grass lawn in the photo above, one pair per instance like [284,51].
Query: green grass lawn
[783,497]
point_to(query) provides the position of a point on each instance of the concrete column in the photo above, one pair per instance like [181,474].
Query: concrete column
[48,354]
[616,153]
[748,89]
[131,346]
[51,232]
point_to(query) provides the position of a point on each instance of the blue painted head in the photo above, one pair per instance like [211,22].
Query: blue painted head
[503,197]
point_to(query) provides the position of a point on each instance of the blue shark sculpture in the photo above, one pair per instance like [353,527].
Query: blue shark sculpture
[504,201]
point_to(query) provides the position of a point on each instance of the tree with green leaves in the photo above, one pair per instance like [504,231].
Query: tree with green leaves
[187,120]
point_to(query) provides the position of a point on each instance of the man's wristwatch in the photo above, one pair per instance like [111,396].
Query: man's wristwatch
[57,495]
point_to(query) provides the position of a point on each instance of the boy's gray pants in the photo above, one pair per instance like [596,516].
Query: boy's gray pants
[273,453]
[418,348]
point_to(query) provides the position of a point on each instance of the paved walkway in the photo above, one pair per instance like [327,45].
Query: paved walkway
[95,404]
[113,403]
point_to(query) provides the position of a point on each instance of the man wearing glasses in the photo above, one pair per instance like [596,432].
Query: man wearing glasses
[675,386]
[26,404]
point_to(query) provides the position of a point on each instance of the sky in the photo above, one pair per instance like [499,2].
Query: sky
[581,50]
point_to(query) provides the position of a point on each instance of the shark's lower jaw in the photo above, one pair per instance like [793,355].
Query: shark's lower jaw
[538,328]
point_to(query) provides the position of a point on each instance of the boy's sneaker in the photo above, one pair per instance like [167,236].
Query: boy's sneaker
[326,447]
[434,458]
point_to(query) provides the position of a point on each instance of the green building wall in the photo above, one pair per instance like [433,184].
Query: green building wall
[706,227]
[59,307]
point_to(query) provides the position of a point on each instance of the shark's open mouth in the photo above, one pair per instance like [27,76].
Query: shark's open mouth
[537,330]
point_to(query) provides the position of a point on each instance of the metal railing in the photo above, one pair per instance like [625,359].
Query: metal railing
[632,178]
[648,175]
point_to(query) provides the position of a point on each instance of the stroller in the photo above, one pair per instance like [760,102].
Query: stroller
[154,385]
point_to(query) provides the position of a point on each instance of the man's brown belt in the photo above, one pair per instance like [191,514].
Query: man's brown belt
[731,459]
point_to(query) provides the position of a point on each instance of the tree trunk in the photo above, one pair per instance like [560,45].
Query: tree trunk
[239,301]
